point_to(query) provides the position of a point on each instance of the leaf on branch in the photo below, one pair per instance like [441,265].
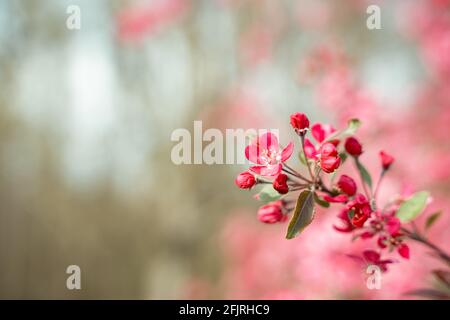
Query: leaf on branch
[268,194]
[432,219]
[443,276]
[429,293]
[352,127]
[411,208]
[321,202]
[303,214]
[364,173]
[343,156]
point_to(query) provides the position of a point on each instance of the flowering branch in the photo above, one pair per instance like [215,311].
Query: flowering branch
[358,215]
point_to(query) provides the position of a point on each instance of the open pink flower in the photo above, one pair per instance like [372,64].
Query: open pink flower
[347,225]
[361,210]
[320,132]
[265,152]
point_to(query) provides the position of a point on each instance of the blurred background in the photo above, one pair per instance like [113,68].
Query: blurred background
[86,117]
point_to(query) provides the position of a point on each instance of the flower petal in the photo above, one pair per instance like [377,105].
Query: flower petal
[310,150]
[393,225]
[317,132]
[342,198]
[371,256]
[287,152]
[367,235]
[266,170]
[252,153]
[403,250]
[268,141]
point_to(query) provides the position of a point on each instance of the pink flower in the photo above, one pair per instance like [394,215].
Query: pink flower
[265,151]
[300,123]
[393,225]
[361,210]
[386,160]
[280,183]
[271,213]
[374,258]
[348,226]
[245,180]
[321,131]
[329,158]
[396,241]
[353,147]
[137,21]
[347,185]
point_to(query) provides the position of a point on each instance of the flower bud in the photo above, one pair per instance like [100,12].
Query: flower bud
[353,147]
[329,158]
[280,183]
[245,180]
[386,160]
[347,185]
[300,123]
[403,250]
[271,213]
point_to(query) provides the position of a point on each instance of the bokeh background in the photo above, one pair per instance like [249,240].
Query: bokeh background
[86,117]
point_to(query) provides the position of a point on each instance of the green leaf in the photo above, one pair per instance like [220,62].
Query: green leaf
[412,207]
[352,127]
[443,276]
[364,173]
[268,194]
[303,214]
[432,219]
[321,202]
[343,156]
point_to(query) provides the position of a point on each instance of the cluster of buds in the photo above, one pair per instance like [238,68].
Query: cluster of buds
[288,192]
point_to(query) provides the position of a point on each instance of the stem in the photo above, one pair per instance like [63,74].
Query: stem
[375,194]
[298,188]
[362,179]
[292,171]
[296,184]
[302,139]
[324,188]
[416,236]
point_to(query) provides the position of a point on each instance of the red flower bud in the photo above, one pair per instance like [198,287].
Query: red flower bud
[245,180]
[353,147]
[329,158]
[347,185]
[271,213]
[386,160]
[280,183]
[403,251]
[300,123]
